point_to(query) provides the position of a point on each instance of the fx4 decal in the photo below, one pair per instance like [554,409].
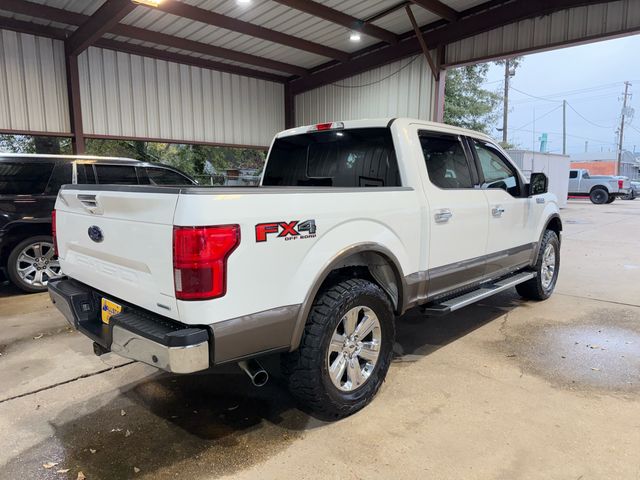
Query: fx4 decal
[287,230]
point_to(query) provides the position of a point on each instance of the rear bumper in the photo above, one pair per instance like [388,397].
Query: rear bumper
[133,333]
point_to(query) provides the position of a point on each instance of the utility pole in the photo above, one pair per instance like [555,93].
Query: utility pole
[627,84]
[505,113]
[564,127]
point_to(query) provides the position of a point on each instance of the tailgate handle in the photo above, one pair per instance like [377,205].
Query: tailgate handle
[89,202]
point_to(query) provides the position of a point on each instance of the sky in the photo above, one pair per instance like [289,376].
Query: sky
[591,78]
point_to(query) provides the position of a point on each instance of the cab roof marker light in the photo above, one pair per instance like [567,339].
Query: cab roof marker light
[319,127]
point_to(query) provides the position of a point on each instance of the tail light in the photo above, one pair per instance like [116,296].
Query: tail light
[200,260]
[620,183]
[53,232]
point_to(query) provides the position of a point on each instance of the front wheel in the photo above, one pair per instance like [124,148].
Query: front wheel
[547,267]
[345,351]
[32,263]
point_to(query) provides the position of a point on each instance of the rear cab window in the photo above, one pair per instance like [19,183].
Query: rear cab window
[359,157]
[23,176]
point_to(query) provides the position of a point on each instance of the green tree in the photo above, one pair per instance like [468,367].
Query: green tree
[467,103]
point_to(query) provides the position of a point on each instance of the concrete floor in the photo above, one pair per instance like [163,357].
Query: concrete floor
[504,389]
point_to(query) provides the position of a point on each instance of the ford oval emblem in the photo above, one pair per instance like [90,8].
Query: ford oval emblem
[95,233]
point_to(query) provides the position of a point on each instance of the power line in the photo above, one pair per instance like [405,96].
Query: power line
[538,118]
[536,97]
[587,120]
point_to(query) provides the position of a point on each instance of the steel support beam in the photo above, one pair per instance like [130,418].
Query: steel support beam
[75,109]
[181,58]
[185,10]
[336,16]
[439,8]
[103,20]
[423,45]
[289,107]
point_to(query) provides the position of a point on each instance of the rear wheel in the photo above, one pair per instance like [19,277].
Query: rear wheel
[599,196]
[547,268]
[611,199]
[345,351]
[32,263]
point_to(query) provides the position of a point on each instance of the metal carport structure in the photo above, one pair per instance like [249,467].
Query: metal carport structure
[217,73]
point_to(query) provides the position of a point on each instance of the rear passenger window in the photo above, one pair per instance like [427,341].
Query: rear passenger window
[362,157]
[116,174]
[22,177]
[446,161]
[573,174]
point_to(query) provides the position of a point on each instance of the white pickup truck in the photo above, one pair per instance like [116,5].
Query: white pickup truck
[354,223]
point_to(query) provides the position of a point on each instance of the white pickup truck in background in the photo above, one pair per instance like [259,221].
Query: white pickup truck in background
[353,224]
[599,188]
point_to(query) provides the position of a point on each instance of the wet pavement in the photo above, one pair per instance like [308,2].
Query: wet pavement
[502,389]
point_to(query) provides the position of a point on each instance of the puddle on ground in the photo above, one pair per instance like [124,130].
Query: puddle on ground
[168,427]
[600,351]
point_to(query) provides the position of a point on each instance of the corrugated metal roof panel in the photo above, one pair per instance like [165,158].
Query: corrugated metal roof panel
[561,27]
[132,96]
[33,91]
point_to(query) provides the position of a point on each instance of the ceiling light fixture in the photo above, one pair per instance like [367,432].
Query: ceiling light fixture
[148,3]
[243,2]
[355,36]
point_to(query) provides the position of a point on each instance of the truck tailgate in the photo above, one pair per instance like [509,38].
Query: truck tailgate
[120,242]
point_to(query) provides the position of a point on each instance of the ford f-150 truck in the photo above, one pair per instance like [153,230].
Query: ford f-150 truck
[599,188]
[354,223]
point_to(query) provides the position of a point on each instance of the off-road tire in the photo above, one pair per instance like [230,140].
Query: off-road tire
[611,199]
[533,289]
[306,370]
[599,196]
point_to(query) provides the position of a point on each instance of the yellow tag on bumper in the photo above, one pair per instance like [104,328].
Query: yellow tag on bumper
[109,309]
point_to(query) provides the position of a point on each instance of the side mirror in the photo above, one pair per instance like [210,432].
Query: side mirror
[538,184]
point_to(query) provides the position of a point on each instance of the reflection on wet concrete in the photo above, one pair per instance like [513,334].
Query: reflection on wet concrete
[599,351]
[213,424]
[172,426]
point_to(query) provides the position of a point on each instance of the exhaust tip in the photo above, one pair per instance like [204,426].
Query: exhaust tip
[256,373]
[260,379]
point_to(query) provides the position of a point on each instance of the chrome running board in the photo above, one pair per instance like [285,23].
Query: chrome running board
[481,293]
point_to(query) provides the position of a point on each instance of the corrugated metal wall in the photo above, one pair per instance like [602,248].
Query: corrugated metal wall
[132,96]
[400,89]
[574,24]
[33,88]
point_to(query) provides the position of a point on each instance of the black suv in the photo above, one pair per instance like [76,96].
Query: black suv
[29,185]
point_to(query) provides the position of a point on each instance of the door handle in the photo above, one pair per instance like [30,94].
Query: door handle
[443,215]
[497,211]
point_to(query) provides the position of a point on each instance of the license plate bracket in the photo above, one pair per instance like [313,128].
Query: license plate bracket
[109,308]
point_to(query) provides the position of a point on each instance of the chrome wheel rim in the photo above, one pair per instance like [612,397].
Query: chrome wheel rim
[548,269]
[37,264]
[354,349]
